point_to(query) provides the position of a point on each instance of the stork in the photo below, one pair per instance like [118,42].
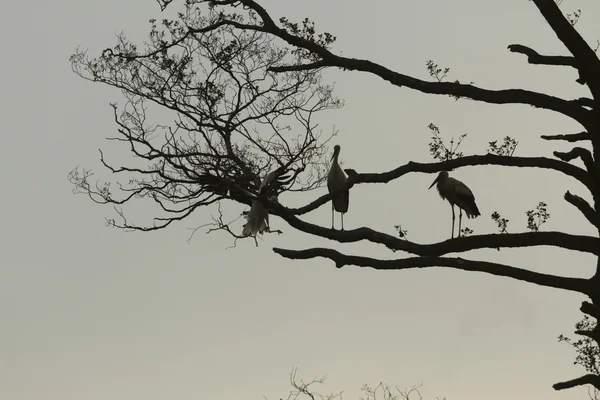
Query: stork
[258,216]
[257,219]
[336,179]
[457,193]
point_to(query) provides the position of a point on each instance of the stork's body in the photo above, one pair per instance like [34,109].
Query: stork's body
[257,219]
[457,193]
[258,216]
[336,179]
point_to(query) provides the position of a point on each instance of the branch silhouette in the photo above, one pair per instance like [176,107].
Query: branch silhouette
[581,243]
[584,207]
[586,58]
[329,59]
[533,57]
[355,178]
[578,152]
[228,134]
[584,380]
[571,137]
[341,260]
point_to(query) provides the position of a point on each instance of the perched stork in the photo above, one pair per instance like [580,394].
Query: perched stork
[457,193]
[258,216]
[336,179]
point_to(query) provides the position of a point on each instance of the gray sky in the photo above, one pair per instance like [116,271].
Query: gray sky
[92,313]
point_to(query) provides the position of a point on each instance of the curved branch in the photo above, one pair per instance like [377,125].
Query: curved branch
[584,207]
[533,57]
[586,244]
[578,152]
[584,380]
[559,282]
[355,178]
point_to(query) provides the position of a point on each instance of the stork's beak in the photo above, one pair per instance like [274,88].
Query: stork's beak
[333,155]
[434,182]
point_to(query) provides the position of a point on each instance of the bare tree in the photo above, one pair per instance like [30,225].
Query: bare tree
[233,120]
[308,390]
[200,162]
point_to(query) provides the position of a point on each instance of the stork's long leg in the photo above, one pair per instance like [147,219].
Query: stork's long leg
[459,222]
[342,221]
[453,219]
[332,214]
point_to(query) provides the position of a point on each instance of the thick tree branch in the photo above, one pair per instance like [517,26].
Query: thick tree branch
[590,309]
[586,244]
[533,57]
[572,137]
[578,152]
[593,334]
[586,58]
[355,178]
[585,101]
[327,58]
[584,380]
[584,207]
[488,159]
[559,282]
[505,96]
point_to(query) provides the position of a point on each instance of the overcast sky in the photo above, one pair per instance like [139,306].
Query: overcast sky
[90,312]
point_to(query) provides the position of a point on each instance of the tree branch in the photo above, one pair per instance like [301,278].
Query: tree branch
[505,96]
[488,159]
[327,58]
[593,334]
[578,152]
[586,58]
[533,57]
[355,178]
[586,244]
[559,282]
[584,207]
[590,309]
[584,101]
[586,379]
[572,137]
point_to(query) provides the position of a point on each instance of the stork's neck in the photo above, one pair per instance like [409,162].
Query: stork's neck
[335,159]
